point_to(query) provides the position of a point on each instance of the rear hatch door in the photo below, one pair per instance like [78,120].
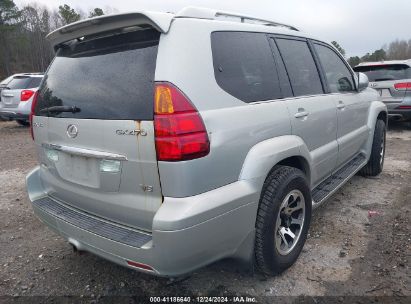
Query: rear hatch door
[93,127]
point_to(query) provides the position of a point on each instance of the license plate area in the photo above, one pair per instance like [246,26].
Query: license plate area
[78,169]
[385,93]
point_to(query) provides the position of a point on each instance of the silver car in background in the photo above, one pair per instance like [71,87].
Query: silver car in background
[17,94]
[392,80]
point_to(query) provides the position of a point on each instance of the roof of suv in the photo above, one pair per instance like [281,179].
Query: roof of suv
[406,62]
[158,20]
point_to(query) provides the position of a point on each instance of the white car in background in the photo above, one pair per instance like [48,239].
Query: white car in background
[17,93]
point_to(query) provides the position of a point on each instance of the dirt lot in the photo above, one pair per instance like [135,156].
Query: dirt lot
[347,253]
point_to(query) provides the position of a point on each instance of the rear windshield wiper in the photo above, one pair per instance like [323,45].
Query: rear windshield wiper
[60,109]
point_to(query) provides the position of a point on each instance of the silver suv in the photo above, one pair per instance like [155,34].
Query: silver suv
[17,93]
[169,141]
[392,80]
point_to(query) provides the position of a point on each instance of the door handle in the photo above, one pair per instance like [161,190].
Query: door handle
[340,105]
[301,114]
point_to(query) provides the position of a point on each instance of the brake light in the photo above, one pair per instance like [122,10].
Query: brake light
[402,85]
[180,133]
[404,107]
[26,95]
[33,107]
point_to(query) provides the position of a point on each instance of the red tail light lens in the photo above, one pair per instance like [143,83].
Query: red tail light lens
[26,95]
[403,85]
[405,107]
[33,106]
[140,265]
[179,130]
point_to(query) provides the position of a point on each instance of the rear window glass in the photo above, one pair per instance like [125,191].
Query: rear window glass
[385,72]
[19,83]
[34,82]
[106,78]
[300,66]
[244,66]
[4,82]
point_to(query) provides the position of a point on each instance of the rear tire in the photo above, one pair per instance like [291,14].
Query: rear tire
[23,123]
[376,162]
[284,212]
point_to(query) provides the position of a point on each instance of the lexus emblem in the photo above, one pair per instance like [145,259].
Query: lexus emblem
[72,131]
[373,85]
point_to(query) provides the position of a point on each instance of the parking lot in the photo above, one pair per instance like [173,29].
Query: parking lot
[359,242]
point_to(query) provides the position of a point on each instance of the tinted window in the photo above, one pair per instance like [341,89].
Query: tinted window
[6,81]
[282,72]
[244,66]
[107,78]
[34,82]
[385,72]
[339,77]
[300,66]
[19,83]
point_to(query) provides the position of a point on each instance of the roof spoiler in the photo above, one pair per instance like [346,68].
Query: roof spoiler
[157,20]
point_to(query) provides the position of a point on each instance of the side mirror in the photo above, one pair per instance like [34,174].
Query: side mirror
[363,82]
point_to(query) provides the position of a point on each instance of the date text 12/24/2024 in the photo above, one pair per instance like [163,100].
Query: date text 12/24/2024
[203,299]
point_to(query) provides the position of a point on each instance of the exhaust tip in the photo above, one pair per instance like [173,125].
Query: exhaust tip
[77,248]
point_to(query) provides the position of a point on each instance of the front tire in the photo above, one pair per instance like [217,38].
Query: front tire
[376,161]
[283,219]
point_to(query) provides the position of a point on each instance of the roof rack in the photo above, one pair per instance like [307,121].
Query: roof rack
[212,14]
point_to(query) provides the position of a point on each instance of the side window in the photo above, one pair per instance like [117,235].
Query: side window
[300,66]
[339,77]
[244,66]
[282,72]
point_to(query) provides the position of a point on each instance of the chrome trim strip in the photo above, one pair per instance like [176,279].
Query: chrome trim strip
[85,152]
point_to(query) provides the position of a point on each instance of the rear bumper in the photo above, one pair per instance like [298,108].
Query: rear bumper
[187,233]
[400,114]
[11,114]
[20,112]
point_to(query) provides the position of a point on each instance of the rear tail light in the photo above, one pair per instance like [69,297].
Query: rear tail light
[404,107]
[402,85]
[26,95]
[180,133]
[33,106]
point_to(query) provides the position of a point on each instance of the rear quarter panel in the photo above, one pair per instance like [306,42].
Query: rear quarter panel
[234,127]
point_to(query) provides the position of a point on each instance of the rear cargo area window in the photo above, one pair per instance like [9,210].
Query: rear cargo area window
[105,78]
[385,72]
[19,83]
[244,66]
[34,82]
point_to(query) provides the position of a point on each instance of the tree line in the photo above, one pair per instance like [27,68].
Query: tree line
[395,50]
[23,47]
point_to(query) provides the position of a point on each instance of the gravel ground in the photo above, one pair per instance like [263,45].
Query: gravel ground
[348,253]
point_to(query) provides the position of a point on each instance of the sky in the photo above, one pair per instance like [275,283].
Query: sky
[359,26]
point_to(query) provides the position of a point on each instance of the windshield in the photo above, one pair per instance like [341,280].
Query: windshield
[385,72]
